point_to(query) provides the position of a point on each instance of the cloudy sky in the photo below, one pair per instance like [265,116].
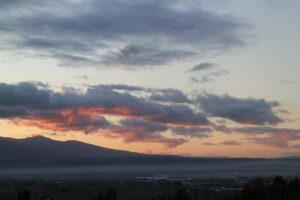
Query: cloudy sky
[185,77]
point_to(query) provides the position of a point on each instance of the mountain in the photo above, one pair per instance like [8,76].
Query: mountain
[40,149]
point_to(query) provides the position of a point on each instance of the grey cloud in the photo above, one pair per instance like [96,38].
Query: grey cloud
[69,60]
[110,101]
[194,80]
[133,56]
[84,77]
[17,100]
[227,142]
[218,73]
[203,79]
[169,95]
[159,95]
[245,111]
[208,144]
[5,4]
[142,118]
[269,141]
[22,94]
[231,143]
[222,128]
[143,108]
[146,125]
[266,130]
[12,112]
[296,146]
[275,137]
[288,82]
[86,111]
[137,130]
[121,87]
[131,33]
[202,66]
[209,76]
[194,132]
[72,120]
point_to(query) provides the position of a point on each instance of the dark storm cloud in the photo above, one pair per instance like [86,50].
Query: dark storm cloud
[202,66]
[245,111]
[131,33]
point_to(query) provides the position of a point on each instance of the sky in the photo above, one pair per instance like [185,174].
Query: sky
[186,77]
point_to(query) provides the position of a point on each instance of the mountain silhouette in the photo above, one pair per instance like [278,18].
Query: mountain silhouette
[40,149]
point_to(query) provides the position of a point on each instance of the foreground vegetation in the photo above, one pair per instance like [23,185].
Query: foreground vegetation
[257,189]
[261,189]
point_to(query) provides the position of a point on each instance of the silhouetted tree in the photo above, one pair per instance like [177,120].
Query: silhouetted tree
[196,194]
[111,194]
[260,189]
[278,188]
[23,195]
[100,196]
[255,190]
[293,189]
[179,194]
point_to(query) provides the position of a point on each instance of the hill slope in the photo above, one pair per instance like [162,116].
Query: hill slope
[41,149]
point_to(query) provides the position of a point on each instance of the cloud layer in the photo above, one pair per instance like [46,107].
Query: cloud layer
[140,118]
[116,33]
[138,114]
[245,111]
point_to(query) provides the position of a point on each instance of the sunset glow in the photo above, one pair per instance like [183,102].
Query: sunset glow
[194,78]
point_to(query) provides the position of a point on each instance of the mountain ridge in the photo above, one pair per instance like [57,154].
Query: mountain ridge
[39,148]
[43,151]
